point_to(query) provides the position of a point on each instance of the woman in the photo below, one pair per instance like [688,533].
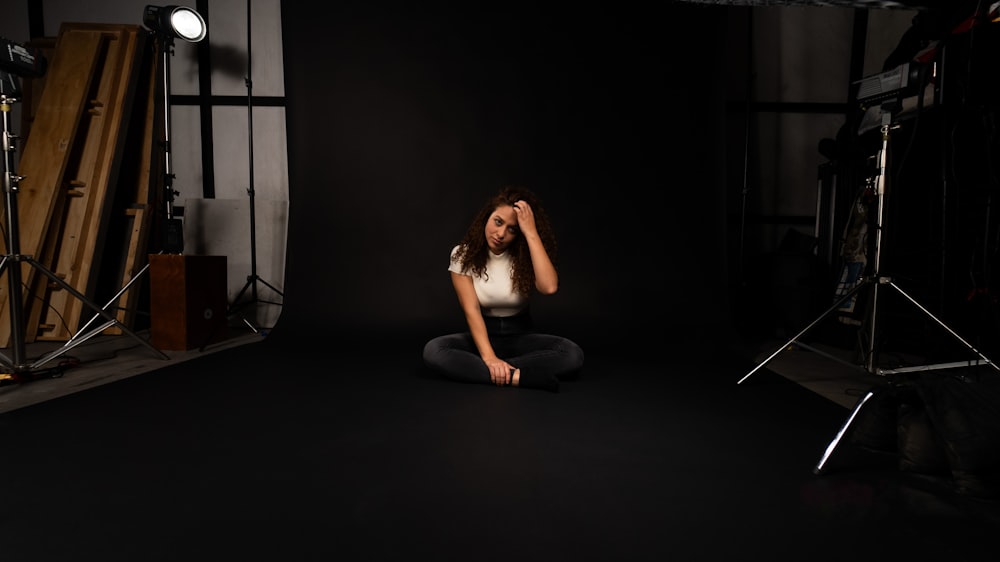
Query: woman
[507,253]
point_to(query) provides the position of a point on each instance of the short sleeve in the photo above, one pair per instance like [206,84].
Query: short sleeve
[454,265]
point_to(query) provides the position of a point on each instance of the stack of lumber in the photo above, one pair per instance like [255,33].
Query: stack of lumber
[89,165]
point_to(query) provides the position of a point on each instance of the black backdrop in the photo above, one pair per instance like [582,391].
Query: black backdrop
[403,119]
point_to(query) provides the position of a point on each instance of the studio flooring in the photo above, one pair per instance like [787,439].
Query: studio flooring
[238,452]
[52,369]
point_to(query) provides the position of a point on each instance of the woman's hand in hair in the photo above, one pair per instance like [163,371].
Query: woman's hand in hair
[525,218]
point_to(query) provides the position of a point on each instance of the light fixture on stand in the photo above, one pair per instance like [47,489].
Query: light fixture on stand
[252,278]
[18,60]
[884,92]
[168,23]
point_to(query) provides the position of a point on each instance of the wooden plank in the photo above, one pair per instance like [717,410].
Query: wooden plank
[89,198]
[133,263]
[139,216]
[41,286]
[45,155]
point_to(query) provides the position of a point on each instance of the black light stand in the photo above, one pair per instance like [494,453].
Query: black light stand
[253,278]
[13,258]
[167,23]
[877,281]
[173,227]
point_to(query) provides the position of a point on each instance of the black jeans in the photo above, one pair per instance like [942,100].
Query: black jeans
[456,357]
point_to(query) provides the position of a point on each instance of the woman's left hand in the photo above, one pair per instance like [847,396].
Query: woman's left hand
[525,217]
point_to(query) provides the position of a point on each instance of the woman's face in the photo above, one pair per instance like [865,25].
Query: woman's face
[501,229]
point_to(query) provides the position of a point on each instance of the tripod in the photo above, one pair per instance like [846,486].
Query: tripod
[12,263]
[253,278]
[877,282]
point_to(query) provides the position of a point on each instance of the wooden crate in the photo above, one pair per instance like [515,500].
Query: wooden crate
[187,301]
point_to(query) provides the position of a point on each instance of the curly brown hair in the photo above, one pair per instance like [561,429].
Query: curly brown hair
[473,249]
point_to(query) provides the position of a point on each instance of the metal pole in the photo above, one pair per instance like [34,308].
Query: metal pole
[250,188]
[173,241]
[13,264]
[253,278]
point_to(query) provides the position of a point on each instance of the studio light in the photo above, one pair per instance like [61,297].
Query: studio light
[177,21]
[168,23]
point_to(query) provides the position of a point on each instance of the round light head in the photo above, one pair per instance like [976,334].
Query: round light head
[187,24]
[176,21]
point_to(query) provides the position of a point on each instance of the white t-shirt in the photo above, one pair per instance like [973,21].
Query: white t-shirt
[496,291]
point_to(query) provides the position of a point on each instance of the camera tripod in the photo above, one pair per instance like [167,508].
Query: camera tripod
[877,281]
[12,260]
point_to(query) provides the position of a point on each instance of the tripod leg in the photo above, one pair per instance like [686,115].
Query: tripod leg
[111,302]
[239,304]
[985,360]
[271,287]
[238,301]
[93,306]
[828,312]
[821,465]
[239,296]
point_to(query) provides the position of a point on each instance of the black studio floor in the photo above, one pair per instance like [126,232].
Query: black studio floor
[274,451]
